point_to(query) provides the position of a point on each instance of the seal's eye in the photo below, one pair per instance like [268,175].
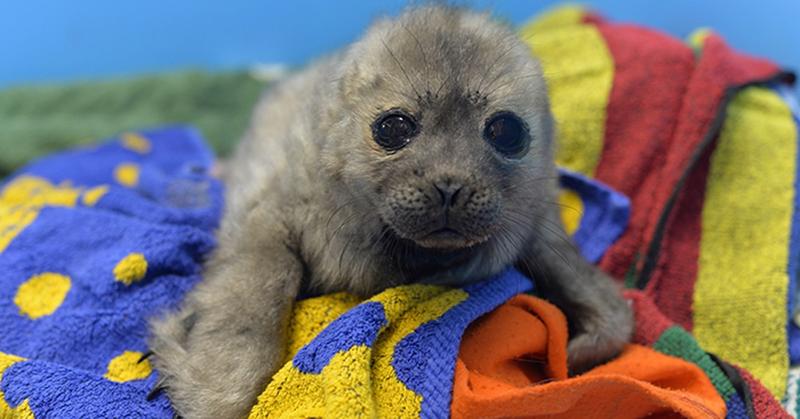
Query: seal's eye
[394,129]
[507,134]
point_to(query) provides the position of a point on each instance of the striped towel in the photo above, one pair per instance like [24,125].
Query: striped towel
[703,141]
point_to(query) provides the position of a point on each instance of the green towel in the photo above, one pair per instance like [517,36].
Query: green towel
[37,120]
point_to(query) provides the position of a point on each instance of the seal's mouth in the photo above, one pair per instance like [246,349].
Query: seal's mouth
[445,232]
[439,233]
[447,238]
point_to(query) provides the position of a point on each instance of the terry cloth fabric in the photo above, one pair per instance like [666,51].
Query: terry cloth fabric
[391,356]
[676,127]
[36,120]
[791,100]
[92,243]
[349,359]
[744,396]
[791,402]
[394,354]
[701,140]
[501,372]
[792,397]
[95,241]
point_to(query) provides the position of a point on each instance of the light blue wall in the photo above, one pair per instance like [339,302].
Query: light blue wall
[56,40]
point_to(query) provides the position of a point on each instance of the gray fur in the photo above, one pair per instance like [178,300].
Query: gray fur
[314,205]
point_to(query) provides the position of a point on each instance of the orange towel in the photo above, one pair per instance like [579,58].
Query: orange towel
[513,363]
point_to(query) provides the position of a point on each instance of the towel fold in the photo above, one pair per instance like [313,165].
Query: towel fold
[513,363]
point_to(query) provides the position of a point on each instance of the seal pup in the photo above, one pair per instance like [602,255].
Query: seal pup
[423,152]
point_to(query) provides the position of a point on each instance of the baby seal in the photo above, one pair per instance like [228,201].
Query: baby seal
[421,153]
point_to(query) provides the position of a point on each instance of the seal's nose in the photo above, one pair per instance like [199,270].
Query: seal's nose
[448,191]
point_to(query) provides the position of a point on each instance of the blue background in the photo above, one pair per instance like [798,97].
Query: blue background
[58,40]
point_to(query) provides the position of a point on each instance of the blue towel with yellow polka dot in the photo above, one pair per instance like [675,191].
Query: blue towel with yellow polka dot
[95,241]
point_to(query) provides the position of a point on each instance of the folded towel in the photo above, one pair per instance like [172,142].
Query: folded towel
[744,396]
[92,243]
[394,354]
[391,356]
[701,139]
[95,241]
[503,372]
[40,119]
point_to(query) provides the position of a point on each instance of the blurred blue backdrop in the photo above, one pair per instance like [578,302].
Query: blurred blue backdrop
[55,40]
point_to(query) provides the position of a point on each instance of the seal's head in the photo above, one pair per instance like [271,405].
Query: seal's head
[444,131]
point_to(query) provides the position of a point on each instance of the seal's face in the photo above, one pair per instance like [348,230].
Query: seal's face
[453,144]
[447,193]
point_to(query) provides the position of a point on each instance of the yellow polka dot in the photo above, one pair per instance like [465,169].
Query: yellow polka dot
[91,196]
[131,268]
[34,191]
[23,198]
[135,142]
[571,210]
[42,294]
[126,367]
[127,174]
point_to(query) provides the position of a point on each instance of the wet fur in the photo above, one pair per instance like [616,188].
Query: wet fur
[315,206]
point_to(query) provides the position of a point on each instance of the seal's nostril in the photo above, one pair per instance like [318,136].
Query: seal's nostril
[448,192]
[442,195]
[454,195]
